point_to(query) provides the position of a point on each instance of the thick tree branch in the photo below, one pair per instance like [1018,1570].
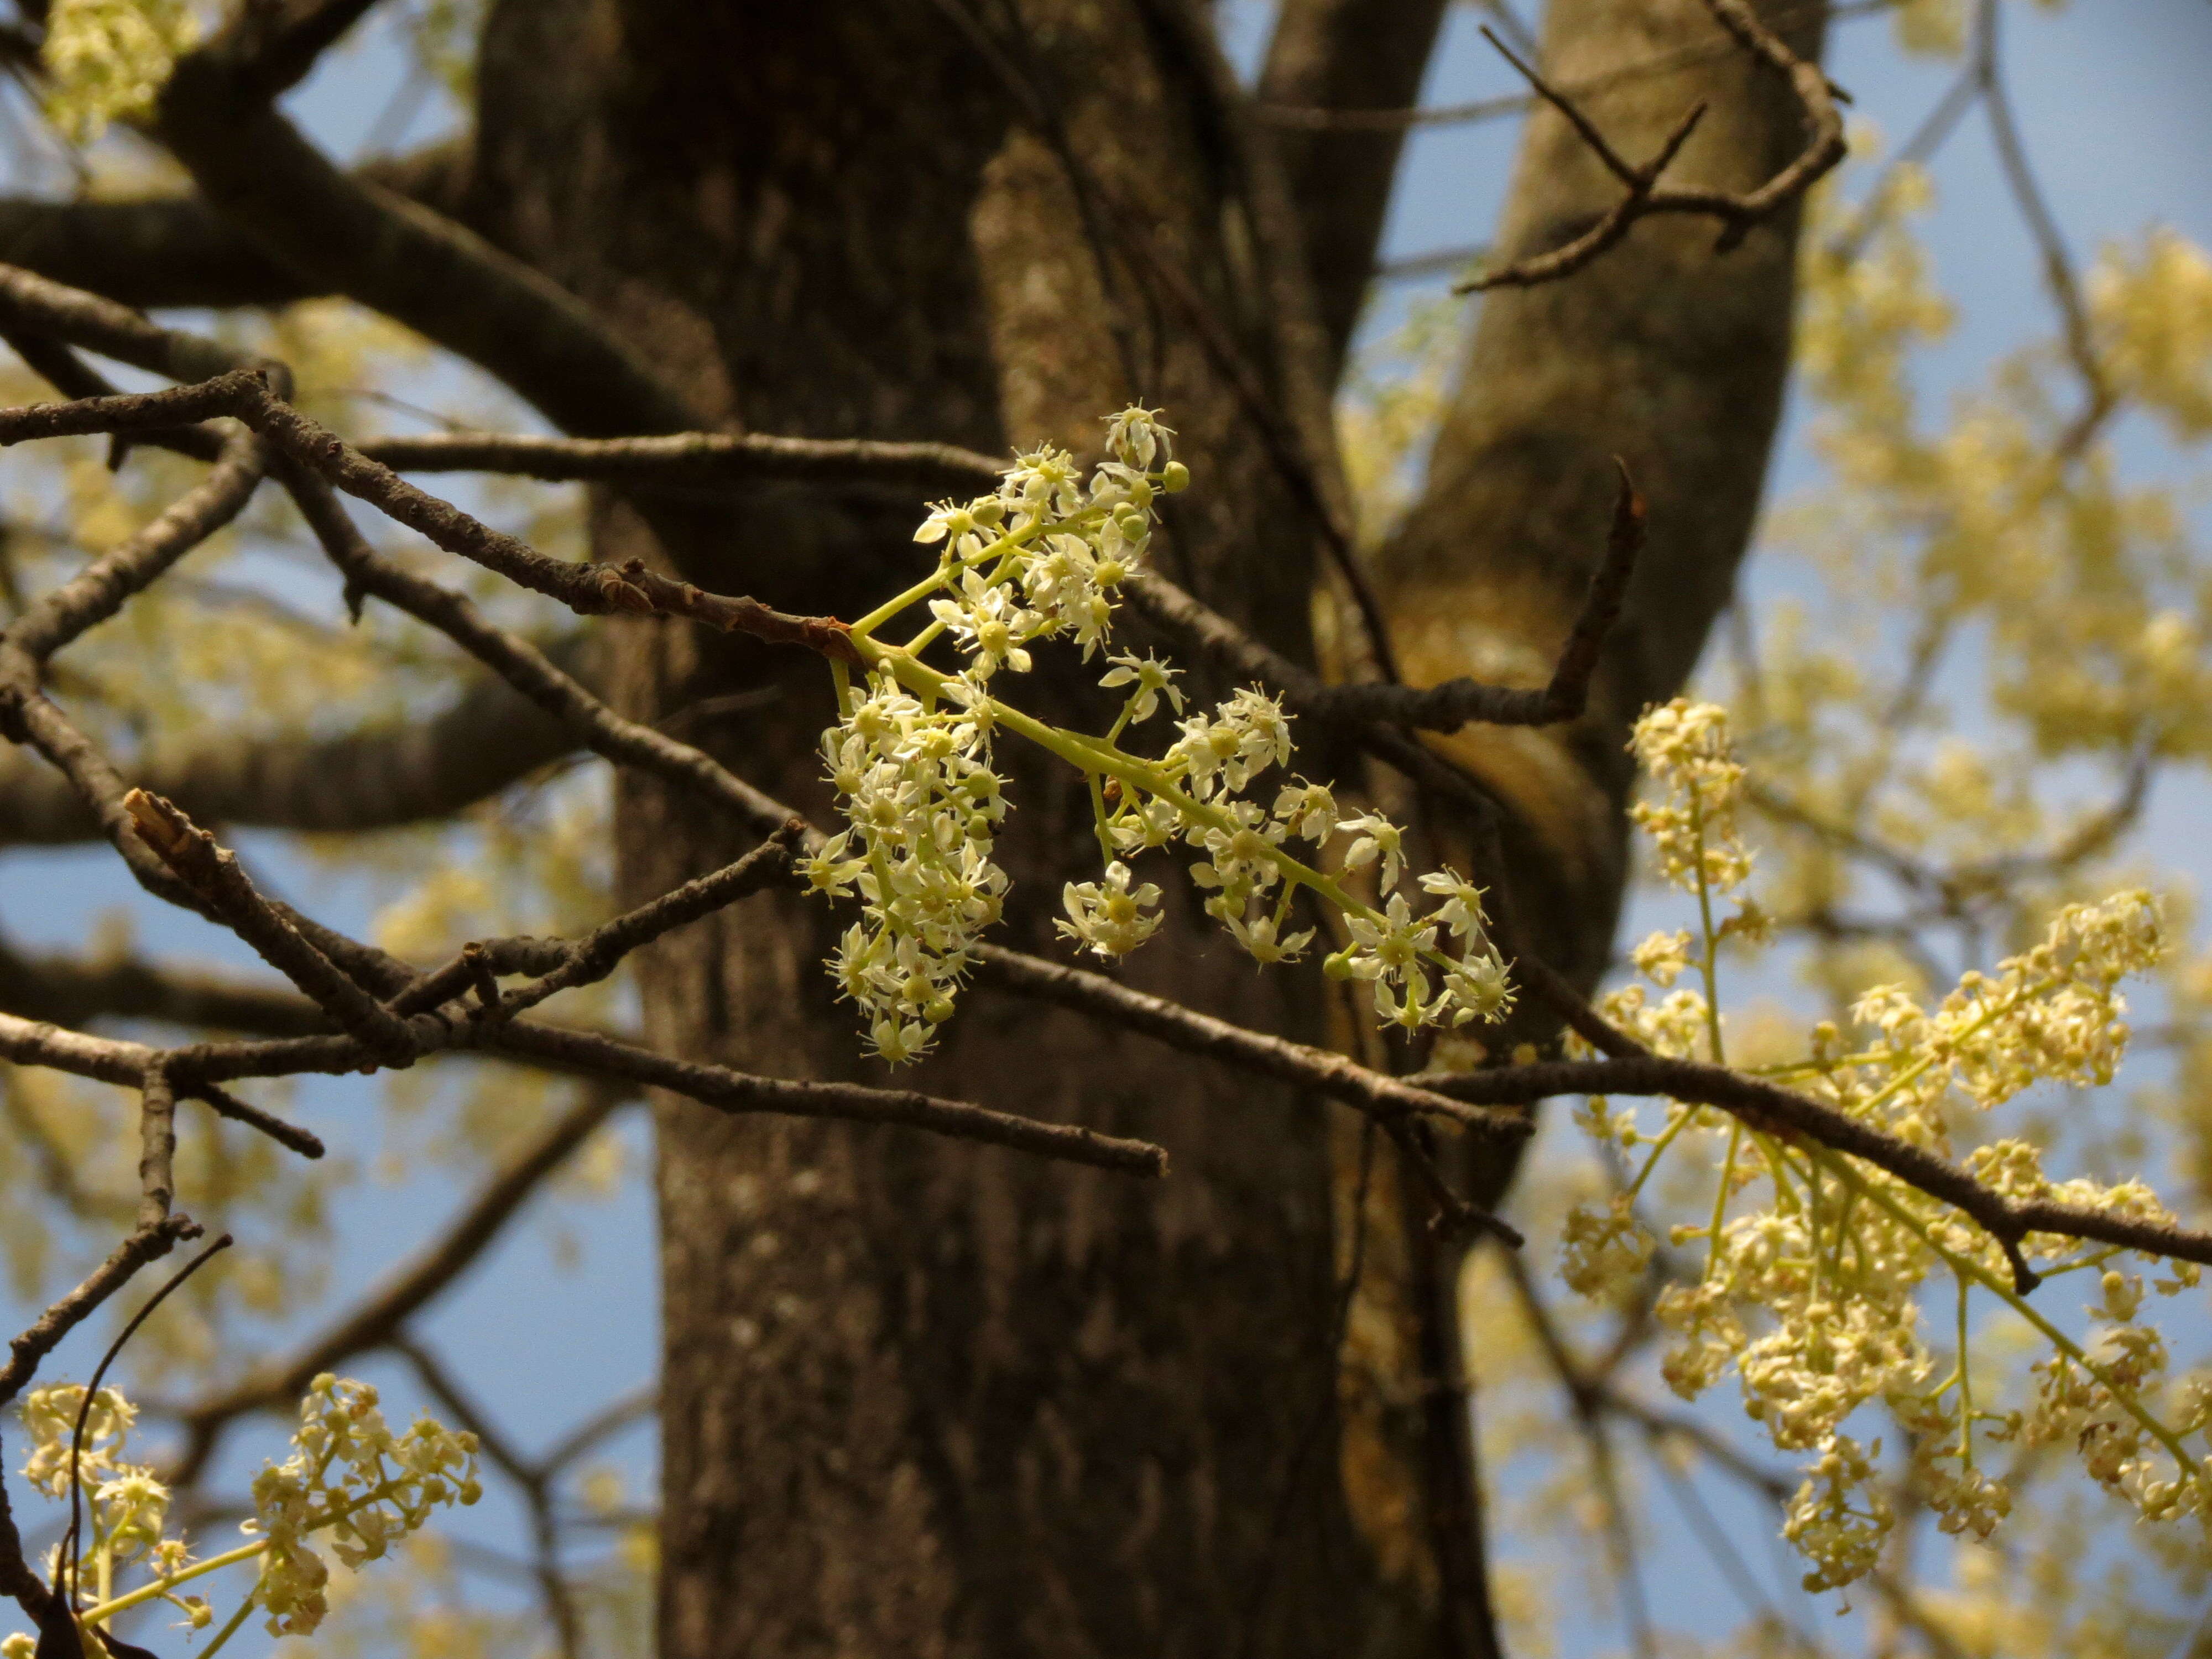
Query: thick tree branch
[171,251]
[269,46]
[399,256]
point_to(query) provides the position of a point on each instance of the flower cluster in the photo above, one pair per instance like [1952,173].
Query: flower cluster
[347,1475]
[2053,1012]
[1815,1267]
[1684,747]
[922,805]
[910,759]
[129,1507]
[107,58]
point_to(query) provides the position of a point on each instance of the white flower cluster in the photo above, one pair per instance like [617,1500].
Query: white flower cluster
[923,805]
[107,58]
[1037,560]
[910,760]
[1043,556]
[1195,795]
[129,1506]
[347,1475]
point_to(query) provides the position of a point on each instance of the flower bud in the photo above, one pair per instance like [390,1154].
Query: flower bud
[1175,477]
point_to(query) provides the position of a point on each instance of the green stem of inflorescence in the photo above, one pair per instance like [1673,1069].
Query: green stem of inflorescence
[1100,759]
[1965,1383]
[162,1587]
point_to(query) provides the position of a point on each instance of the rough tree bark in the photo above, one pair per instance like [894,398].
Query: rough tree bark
[928,1398]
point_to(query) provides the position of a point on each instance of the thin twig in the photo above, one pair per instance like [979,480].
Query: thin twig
[587,589]
[694,458]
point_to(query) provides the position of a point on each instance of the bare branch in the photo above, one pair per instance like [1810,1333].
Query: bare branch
[528,670]
[587,589]
[26,715]
[1322,1070]
[742,1092]
[157,1146]
[31,303]
[1738,214]
[1309,118]
[535,1481]
[2049,242]
[1775,1110]
[35,1042]
[694,458]
[488,739]
[1444,708]
[146,1244]
[592,957]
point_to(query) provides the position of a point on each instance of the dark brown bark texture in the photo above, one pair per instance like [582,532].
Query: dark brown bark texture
[934,1399]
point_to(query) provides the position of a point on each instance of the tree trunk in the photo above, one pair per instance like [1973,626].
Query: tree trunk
[921,1397]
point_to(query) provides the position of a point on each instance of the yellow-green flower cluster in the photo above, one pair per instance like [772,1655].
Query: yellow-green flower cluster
[1816,1267]
[107,59]
[348,1476]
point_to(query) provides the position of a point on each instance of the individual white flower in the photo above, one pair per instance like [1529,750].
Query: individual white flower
[830,870]
[1151,822]
[1257,937]
[1377,838]
[1307,810]
[1479,989]
[990,623]
[1153,678]
[1241,856]
[1043,481]
[1461,911]
[1137,436]
[962,522]
[1109,917]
